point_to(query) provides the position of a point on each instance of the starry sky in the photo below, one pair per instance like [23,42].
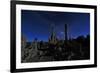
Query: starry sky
[36,24]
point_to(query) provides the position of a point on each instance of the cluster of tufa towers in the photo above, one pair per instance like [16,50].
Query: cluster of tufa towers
[31,51]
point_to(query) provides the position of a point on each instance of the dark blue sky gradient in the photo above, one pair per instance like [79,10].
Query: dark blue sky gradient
[36,24]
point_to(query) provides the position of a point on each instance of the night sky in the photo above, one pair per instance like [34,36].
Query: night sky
[36,24]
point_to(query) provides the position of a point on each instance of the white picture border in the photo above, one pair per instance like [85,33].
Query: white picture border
[20,65]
